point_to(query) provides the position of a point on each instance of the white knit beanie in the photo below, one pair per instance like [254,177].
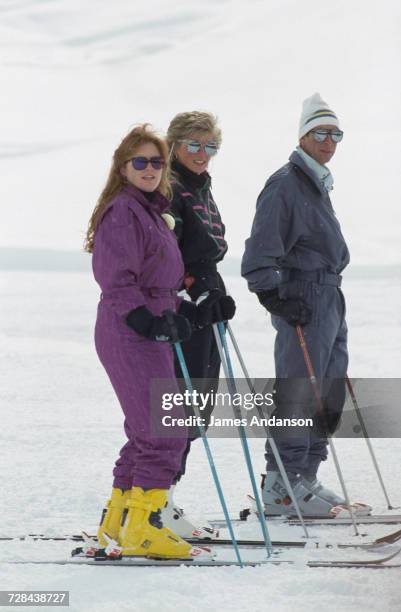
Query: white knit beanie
[315,111]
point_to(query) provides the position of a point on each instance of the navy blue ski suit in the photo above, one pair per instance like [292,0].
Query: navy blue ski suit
[296,245]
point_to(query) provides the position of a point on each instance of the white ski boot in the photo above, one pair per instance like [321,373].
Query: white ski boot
[318,489]
[313,499]
[174,518]
[278,501]
[309,476]
[310,481]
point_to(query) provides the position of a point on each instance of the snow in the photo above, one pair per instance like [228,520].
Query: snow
[62,429]
[74,78]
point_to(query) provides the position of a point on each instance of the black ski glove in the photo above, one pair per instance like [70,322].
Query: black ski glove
[223,309]
[294,311]
[214,308]
[169,327]
[201,277]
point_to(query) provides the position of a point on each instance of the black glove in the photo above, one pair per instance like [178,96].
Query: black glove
[223,309]
[214,308]
[201,277]
[169,327]
[294,311]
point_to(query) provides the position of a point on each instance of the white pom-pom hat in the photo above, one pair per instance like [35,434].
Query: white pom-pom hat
[315,111]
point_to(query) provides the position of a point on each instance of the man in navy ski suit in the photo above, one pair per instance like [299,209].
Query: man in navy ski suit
[292,261]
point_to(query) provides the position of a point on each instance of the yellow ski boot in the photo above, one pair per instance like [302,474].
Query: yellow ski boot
[142,532]
[111,516]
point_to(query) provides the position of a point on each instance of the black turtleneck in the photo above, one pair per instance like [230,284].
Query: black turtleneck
[149,195]
[191,178]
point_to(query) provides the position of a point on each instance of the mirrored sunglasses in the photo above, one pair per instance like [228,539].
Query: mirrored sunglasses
[321,134]
[140,163]
[194,146]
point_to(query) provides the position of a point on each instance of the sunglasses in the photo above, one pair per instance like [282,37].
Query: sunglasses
[140,163]
[321,134]
[194,146]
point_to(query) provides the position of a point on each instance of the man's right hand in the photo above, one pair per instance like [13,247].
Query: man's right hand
[294,311]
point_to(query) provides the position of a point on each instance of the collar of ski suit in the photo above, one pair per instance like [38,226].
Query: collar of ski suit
[322,173]
[191,179]
[158,203]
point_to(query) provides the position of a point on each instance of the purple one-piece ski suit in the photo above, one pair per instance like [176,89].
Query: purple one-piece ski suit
[137,262]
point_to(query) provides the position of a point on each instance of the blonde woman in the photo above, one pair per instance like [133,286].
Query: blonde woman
[139,268]
[194,138]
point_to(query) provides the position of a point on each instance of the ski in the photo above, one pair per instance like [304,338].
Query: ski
[371,519]
[47,538]
[390,538]
[148,562]
[358,563]
[354,565]
[193,541]
[378,562]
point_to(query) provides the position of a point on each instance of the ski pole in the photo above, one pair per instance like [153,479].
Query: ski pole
[188,383]
[319,402]
[367,438]
[270,439]
[220,335]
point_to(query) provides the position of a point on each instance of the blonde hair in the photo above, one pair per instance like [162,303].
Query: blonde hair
[140,135]
[184,125]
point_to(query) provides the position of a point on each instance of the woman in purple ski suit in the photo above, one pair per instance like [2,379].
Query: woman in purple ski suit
[137,263]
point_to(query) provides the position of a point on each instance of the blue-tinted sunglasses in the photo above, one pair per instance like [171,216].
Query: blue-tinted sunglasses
[140,163]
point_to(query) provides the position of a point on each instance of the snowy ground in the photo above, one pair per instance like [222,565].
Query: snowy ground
[62,428]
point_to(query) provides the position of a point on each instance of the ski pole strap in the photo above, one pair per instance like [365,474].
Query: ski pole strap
[188,281]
